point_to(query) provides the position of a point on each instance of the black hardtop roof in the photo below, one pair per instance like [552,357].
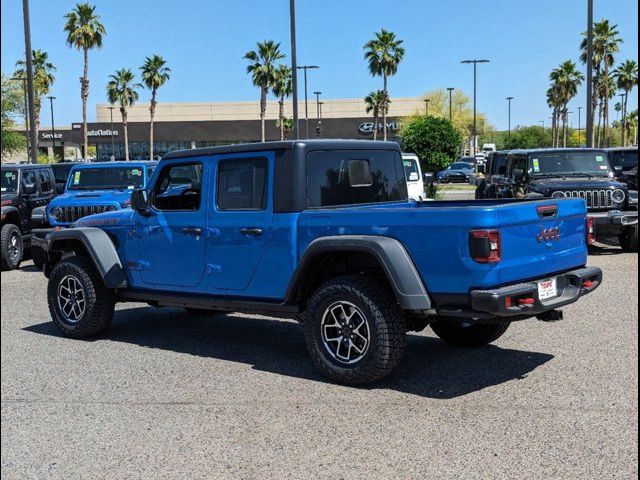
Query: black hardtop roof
[621,149]
[23,166]
[304,145]
[554,150]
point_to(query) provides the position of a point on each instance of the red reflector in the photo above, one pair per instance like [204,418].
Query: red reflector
[587,284]
[508,302]
[527,301]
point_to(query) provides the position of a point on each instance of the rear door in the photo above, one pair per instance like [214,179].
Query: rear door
[172,236]
[239,224]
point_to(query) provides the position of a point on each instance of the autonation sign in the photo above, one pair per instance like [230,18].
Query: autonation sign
[102,133]
[367,128]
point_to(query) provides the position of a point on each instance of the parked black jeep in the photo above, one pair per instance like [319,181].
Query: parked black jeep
[624,161]
[493,175]
[575,173]
[26,191]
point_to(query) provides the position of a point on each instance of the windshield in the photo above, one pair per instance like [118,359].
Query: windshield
[461,166]
[626,159]
[570,163]
[124,178]
[9,181]
[411,170]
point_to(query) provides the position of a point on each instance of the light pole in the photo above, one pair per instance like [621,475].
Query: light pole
[509,134]
[542,122]
[317,94]
[26,109]
[306,100]
[450,89]
[475,63]
[426,107]
[53,126]
[113,147]
[294,68]
[580,125]
[320,119]
[590,105]
[30,94]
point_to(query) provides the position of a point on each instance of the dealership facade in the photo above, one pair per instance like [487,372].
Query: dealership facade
[179,126]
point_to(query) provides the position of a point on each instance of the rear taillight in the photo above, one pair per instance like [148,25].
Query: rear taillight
[591,231]
[485,246]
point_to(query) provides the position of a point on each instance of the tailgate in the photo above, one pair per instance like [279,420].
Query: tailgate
[539,238]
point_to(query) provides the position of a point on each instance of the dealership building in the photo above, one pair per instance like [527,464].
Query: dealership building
[187,125]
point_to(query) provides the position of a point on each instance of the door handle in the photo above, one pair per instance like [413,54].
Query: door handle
[192,231]
[251,231]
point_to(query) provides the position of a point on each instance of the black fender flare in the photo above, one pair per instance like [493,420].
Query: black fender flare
[10,211]
[100,249]
[390,253]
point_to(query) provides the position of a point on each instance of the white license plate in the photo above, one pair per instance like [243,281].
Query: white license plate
[548,289]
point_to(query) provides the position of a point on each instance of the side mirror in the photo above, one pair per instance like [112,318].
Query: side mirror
[481,169]
[518,175]
[140,200]
[29,188]
[59,188]
[429,178]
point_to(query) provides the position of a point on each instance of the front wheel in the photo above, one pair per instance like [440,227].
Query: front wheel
[354,330]
[629,239]
[464,334]
[12,247]
[80,304]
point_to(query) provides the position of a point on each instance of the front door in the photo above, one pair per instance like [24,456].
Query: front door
[172,235]
[239,224]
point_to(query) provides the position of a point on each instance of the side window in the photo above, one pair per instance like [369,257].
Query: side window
[179,187]
[242,184]
[518,162]
[45,181]
[29,177]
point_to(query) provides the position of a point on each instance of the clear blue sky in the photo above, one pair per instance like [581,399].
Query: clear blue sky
[204,41]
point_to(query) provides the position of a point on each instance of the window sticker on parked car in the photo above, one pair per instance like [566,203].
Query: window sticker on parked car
[76,178]
[599,158]
[536,165]
[136,172]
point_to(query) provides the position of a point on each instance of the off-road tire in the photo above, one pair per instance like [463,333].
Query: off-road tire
[39,257]
[100,301]
[9,261]
[386,324]
[459,334]
[629,239]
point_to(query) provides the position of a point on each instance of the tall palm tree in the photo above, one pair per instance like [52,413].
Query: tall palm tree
[155,73]
[632,122]
[374,105]
[121,89]
[43,78]
[626,76]
[282,88]
[84,32]
[262,68]
[554,103]
[606,91]
[383,55]
[566,81]
[606,42]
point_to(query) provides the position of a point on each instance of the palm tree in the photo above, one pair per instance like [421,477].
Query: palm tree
[383,55]
[606,91]
[155,73]
[286,124]
[262,68]
[121,89]
[85,32]
[282,88]
[374,105]
[606,42]
[566,81]
[554,103]
[631,121]
[626,76]
[43,78]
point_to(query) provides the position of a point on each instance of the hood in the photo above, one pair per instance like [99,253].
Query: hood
[92,197]
[554,184]
[108,219]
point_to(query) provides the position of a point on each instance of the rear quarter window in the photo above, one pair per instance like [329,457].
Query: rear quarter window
[353,177]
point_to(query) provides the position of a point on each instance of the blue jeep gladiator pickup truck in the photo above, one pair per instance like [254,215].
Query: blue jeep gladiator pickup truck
[321,231]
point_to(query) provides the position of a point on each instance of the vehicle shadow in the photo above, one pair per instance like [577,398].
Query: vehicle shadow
[432,369]
[606,246]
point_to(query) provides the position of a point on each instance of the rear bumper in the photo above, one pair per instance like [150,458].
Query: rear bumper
[613,222]
[571,286]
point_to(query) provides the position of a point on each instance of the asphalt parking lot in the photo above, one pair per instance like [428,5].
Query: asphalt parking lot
[169,395]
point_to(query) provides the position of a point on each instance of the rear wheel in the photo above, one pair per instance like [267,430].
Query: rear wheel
[12,247]
[464,334]
[80,304]
[629,239]
[354,330]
